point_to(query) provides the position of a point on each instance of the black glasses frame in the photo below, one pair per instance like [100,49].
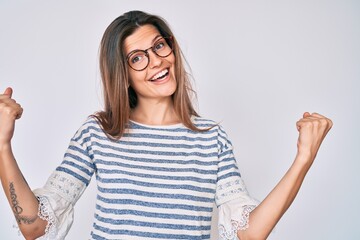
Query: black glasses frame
[169,41]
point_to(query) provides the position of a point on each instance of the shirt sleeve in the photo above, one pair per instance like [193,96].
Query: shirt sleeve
[64,187]
[232,198]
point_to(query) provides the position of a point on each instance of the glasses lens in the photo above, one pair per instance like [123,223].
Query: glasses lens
[162,48]
[138,60]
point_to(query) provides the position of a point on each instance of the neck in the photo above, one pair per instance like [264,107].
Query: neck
[155,112]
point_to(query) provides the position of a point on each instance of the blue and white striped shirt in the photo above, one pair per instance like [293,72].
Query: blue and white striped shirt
[156,182]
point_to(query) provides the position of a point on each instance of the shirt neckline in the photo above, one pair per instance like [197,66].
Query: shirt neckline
[175,125]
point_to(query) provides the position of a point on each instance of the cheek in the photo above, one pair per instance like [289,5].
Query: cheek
[135,77]
[130,80]
[172,59]
[172,62]
[132,76]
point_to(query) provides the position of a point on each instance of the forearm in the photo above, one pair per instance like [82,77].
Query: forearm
[22,201]
[264,218]
[312,131]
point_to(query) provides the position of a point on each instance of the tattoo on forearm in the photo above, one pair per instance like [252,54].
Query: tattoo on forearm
[17,209]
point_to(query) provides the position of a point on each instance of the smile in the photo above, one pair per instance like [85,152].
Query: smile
[161,75]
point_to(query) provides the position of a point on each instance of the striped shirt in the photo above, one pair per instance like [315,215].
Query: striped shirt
[156,182]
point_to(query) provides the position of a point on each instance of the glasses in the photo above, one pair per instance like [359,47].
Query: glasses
[139,59]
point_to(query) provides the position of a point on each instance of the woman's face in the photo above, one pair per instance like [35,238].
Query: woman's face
[157,81]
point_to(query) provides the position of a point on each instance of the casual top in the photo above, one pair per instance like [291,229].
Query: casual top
[156,182]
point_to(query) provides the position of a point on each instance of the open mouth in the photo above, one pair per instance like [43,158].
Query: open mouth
[160,76]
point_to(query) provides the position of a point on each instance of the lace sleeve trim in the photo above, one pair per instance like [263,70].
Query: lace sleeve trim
[66,186]
[229,190]
[239,224]
[46,214]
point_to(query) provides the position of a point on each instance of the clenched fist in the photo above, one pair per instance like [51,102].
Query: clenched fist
[312,131]
[9,112]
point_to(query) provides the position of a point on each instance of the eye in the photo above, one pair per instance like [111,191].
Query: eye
[137,57]
[159,45]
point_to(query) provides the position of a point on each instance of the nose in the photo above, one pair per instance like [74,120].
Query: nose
[154,60]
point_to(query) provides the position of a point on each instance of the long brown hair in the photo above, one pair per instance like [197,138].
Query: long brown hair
[119,99]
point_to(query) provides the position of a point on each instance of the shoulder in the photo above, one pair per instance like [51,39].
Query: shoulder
[89,123]
[89,127]
[202,122]
[223,140]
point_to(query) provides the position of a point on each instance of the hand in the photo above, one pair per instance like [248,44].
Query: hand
[9,112]
[312,131]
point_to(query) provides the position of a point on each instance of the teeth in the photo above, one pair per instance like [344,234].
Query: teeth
[160,74]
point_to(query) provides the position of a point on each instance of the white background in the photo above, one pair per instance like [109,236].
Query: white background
[257,66]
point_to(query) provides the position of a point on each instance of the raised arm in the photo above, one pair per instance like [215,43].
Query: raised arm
[22,201]
[312,131]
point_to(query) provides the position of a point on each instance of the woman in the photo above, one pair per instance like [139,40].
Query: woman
[159,166]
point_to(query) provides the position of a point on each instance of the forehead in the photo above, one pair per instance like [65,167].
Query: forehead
[142,38]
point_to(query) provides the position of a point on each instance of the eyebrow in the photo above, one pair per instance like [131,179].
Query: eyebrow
[152,42]
[156,37]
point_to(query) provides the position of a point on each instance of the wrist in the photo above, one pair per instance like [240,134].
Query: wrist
[5,147]
[304,159]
